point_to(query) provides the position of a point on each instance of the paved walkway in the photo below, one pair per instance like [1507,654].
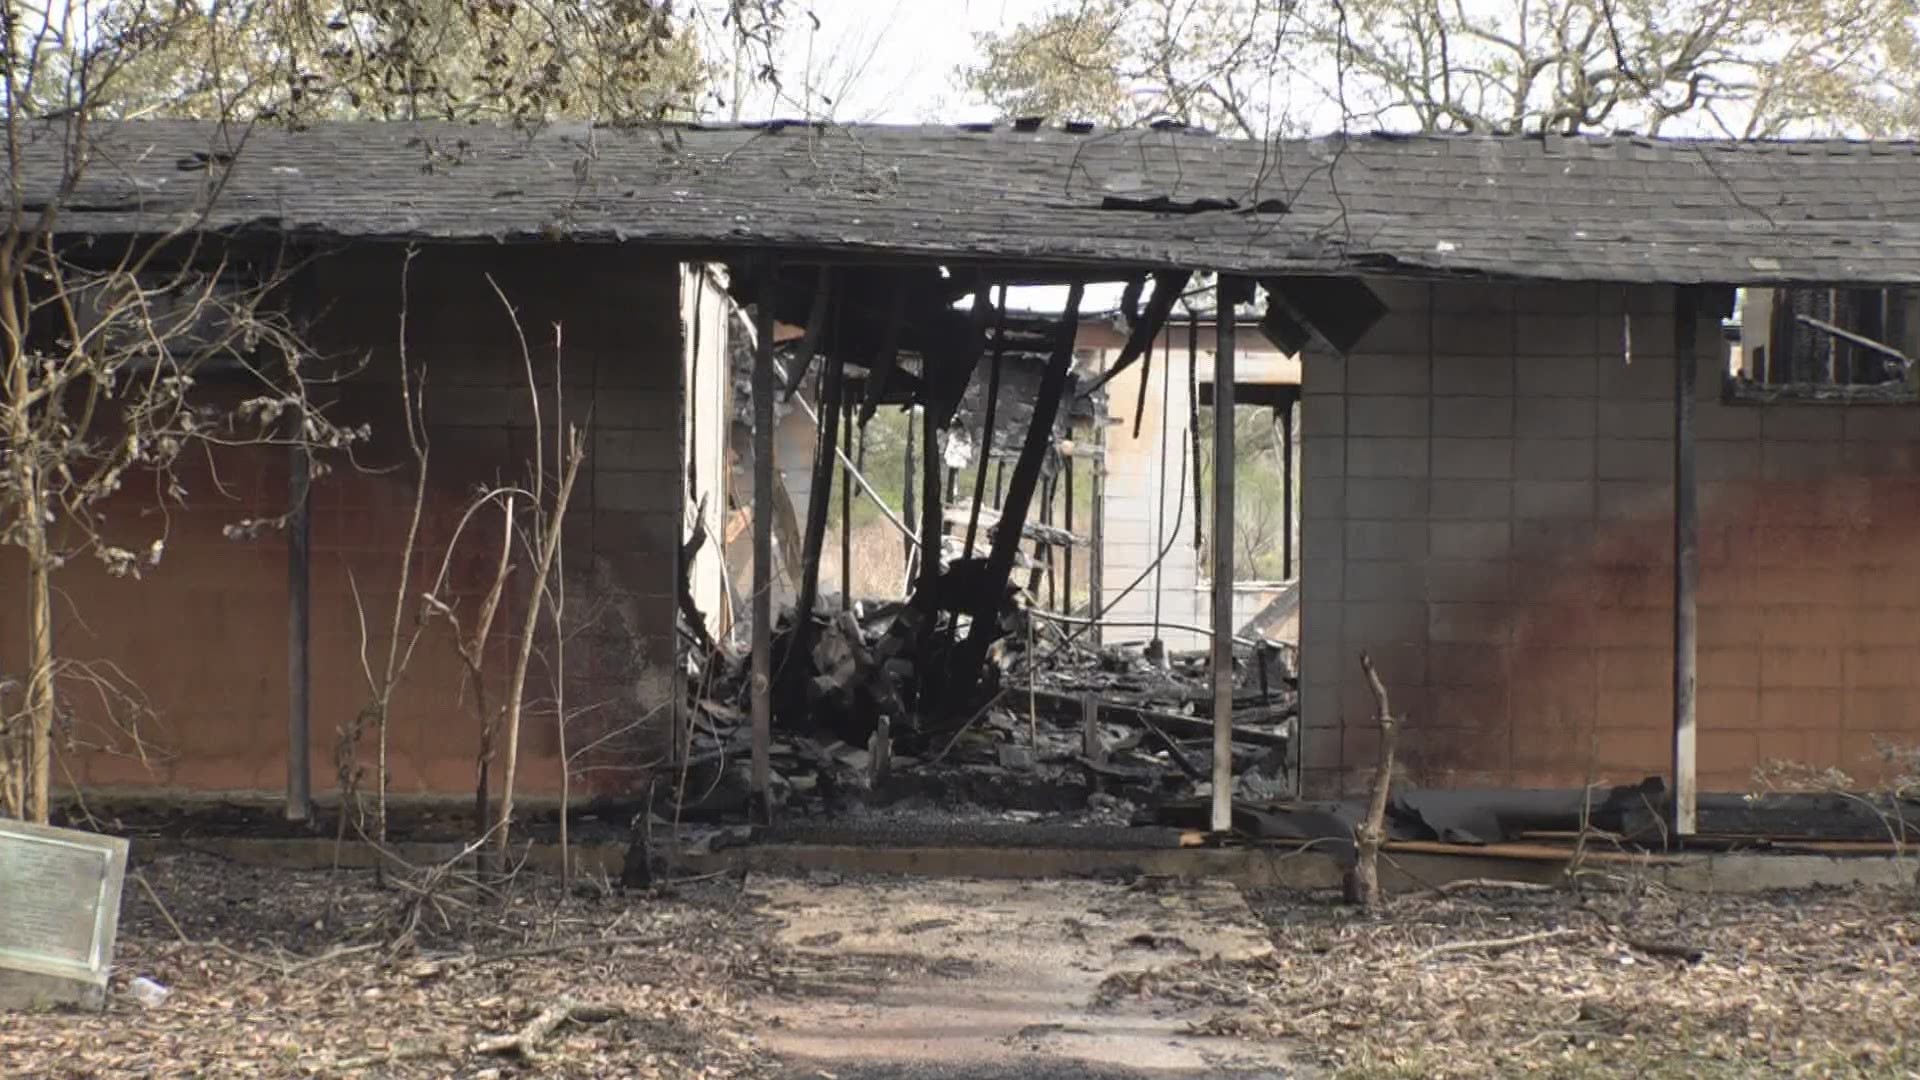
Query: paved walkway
[971,980]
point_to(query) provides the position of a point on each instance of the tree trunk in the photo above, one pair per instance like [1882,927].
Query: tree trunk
[39,770]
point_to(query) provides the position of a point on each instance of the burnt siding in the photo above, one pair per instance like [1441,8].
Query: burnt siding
[1507,556]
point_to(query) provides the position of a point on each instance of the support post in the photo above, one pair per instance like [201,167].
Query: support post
[846,508]
[762,688]
[299,634]
[933,504]
[909,479]
[1686,559]
[1286,492]
[819,505]
[987,420]
[965,662]
[1229,292]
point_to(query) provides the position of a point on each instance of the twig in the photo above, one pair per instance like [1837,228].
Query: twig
[568,946]
[527,1040]
[1499,945]
[1451,887]
[1362,886]
[141,879]
[399,1053]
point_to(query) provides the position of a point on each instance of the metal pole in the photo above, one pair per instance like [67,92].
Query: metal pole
[762,688]
[1158,649]
[1066,586]
[299,634]
[1229,292]
[1686,560]
[1097,528]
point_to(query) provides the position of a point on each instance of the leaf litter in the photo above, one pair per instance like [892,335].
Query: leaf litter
[283,973]
[1631,982]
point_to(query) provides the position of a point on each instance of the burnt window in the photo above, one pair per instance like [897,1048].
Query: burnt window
[1826,344]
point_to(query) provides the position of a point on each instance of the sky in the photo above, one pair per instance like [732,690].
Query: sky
[891,61]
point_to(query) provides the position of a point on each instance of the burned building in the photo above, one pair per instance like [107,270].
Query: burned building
[1535,487]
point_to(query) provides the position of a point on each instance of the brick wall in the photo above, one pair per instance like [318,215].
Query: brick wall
[1488,511]
[205,634]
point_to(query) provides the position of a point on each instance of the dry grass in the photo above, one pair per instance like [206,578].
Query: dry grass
[286,975]
[1801,984]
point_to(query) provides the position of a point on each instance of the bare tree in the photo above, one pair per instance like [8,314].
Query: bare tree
[1746,68]
[104,346]
[1205,62]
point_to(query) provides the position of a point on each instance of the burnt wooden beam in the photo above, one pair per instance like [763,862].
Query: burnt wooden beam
[846,506]
[1167,288]
[761,690]
[819,504]
[908,481]
[810,341]
[932,505]
[967,659]
[886,360]
[1686,562]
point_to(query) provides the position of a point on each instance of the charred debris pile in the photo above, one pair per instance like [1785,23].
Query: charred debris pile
[1052,725]
[982,686]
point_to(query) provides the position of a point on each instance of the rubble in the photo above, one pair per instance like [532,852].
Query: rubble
[1055,727]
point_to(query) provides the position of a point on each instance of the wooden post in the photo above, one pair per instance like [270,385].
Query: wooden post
[762,689]
[1286,492]
[987,420]
[846,509]
[1229,293]
[819,505]
[299,633]
[1686,559]
[933,505]
[1092,746]
[966,661]
[908,482]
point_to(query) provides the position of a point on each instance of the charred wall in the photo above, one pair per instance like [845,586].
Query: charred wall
[205,634]
[1488,511]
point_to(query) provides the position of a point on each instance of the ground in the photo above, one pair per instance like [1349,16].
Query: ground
[315,974]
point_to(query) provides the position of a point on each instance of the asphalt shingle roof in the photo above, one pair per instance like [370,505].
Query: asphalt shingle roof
[1614,209]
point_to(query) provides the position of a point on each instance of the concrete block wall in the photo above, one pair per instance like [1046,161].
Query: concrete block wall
[205,634]
[1488,513]
[1149,504]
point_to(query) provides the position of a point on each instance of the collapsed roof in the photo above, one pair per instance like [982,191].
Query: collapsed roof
[1602,209]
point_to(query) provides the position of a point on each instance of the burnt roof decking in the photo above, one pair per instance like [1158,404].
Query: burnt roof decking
[1604,209]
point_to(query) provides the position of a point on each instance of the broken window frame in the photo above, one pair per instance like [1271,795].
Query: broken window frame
[1857,346]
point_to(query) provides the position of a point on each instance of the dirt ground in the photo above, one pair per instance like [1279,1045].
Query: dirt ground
[315,974]
[276,973]
[1629,981]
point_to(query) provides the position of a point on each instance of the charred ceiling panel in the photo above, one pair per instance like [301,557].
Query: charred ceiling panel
[1339,311]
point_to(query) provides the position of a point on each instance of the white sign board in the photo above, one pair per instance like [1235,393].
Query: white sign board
[60,895]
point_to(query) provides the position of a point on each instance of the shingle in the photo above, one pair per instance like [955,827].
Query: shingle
[1621,209]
